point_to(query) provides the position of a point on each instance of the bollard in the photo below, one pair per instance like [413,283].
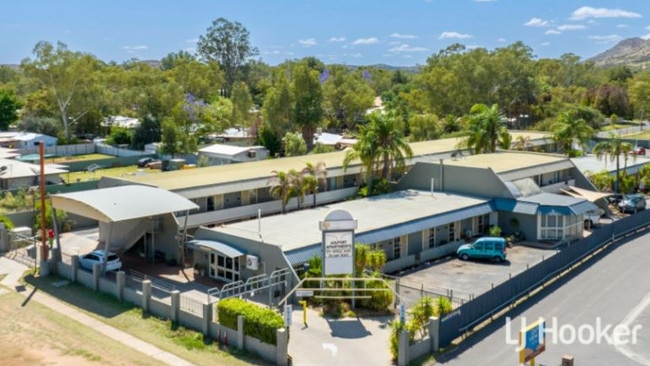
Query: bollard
[219,337]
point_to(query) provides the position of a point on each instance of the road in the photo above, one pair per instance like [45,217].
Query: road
[612,290]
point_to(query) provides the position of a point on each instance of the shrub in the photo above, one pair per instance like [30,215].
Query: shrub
[494,231]
[443,306]
[259,323]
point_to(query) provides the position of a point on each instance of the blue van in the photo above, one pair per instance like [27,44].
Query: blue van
[489,247]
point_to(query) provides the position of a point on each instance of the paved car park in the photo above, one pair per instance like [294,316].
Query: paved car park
[471,278]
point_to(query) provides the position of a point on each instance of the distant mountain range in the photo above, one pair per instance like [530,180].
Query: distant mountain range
[632,52]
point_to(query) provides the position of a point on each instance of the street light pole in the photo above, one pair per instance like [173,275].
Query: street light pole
[41,151]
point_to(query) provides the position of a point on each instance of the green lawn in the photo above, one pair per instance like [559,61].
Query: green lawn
[109,172]
[644,135]
[69,159]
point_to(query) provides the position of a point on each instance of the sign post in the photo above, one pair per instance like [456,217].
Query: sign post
[532,342]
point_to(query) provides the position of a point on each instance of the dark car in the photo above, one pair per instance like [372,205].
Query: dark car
[632,203]
[144,161]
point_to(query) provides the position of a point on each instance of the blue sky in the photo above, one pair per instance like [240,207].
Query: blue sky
[353,32]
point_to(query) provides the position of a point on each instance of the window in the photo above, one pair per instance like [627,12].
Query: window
[452,232]
[252,154]
[397,247]
[481,224]
[432,238]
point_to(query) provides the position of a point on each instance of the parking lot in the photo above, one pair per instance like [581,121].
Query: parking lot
[465,279]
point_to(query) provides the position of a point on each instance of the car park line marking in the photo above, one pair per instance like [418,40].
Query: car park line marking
[627,322]
[332,347]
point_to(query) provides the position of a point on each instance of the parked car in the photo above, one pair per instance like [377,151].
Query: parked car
[144,161]
[639,150]
[592,218]
[489,247]
[111,260]
[632,203]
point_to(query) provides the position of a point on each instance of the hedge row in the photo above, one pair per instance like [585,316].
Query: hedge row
[259,322]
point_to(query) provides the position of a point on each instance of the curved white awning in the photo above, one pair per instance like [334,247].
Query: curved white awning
[121,203]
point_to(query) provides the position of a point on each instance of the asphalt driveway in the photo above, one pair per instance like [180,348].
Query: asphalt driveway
[464,279]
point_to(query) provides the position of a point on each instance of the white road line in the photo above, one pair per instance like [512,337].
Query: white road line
[627,323]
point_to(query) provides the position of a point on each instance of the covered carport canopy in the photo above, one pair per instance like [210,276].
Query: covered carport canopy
[121,203]
[585,193]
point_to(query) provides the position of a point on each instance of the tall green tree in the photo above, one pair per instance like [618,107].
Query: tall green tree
[65,75]
[483,129]
[147,132]
[229,45]
[569,129]
[170,137]
[242,104]
[308,109]
[613,148]
[346,97]
[9,105]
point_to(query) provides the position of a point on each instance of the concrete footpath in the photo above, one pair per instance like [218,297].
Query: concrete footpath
[15,270]
[345,341]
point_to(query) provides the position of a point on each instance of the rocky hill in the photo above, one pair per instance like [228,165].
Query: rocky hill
[633,52]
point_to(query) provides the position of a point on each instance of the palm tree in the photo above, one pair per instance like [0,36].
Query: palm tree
[283,186]
[522,143]
[365,150]
[569,128]
[484,129]
[613,147]
[309,184]
[393,147]
[319,174]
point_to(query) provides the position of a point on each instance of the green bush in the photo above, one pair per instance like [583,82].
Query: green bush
[259,323]
[7,221]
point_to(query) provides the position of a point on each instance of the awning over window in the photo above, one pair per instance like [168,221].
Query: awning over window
[222,248]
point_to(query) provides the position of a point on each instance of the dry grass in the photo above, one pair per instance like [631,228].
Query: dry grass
[32,334]
[124,316]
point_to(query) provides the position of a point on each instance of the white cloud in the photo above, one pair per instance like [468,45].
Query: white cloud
[501,40]
[484,1]
[536,22]
[570,27]
[337,39]
[621,25]
[606,39]
[544,44]
[192,40]
[648,27]
[307,42]
[445,35]
[403,36]
[552,31]
[589,12]
[371,40]
[646,37]
[406,48]
[135,48]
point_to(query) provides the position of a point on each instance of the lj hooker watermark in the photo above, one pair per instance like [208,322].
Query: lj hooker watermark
[585,334]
